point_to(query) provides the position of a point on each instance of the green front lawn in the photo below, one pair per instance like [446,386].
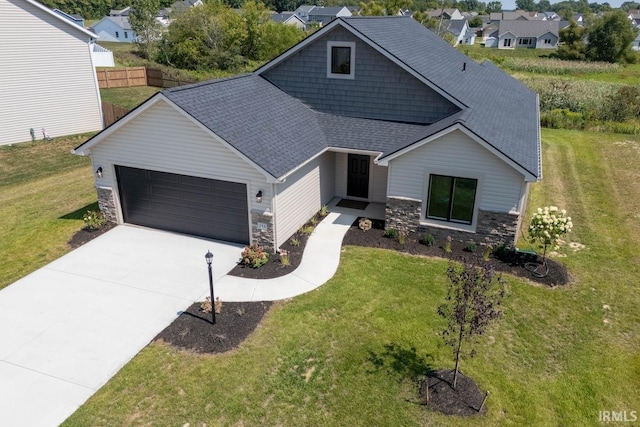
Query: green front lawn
[44,191]
[348,353]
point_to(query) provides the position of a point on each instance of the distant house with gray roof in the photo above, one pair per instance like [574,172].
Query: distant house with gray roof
[528,34]
[323,15]
[289,18]
[115,29]
[375,110]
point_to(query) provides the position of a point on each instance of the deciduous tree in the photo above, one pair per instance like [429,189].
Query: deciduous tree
[473,301]
[610,38]
[143,21]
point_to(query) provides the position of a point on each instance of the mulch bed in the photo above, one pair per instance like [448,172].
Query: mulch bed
[509,262]
[465,400]
[85,235]
[193,330]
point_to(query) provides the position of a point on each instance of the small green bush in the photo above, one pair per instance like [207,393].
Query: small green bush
[308,229]
[427,239]
[254,256]
[562,119]
[295,242]
[447,245]
[402,237]
[470,246]
[323,210]
[391,233]
[487,252]
[93,220]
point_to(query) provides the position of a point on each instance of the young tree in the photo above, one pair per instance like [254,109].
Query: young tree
[494,7]
[143,21]
[528,5]
[473,301]
[610,39]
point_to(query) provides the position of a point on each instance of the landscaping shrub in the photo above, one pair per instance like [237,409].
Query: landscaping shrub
[93,220]
[391,233]
[427,239]
[365,224]
[254,256]
[470,246]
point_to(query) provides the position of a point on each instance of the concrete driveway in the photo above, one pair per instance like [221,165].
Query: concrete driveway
[67,328]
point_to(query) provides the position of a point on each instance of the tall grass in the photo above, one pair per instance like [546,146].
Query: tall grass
[551,66]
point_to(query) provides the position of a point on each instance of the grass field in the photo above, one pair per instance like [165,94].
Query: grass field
[44,191]
[128,97]
[349,353]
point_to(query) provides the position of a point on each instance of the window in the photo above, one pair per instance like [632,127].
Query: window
[547,41]
[117,35]
[340,60]
[451,199]
[507,42]
[126,35]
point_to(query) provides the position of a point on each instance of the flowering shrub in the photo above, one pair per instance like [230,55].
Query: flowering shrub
[254,256]
[93,220]
[546,227]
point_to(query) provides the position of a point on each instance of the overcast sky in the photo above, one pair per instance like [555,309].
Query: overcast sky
[511,4]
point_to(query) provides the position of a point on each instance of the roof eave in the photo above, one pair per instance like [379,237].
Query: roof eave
[62,19]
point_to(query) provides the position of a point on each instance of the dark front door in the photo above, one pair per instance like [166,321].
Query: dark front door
[358,176]
[185,204]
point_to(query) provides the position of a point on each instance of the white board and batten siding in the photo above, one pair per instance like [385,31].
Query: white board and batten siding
[43,59]
[163,139]
[455,154]
[303,194]
[377,179]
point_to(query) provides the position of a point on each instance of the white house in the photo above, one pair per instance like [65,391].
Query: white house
[115,29]
[44,57]
[289,18]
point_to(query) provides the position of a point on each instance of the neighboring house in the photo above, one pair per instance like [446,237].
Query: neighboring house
[184,5]
[115,29]
[76,19]
[459,29]
[528,34]
[469,37]
[450,14]
[120,12]
[323,15]
[303,11]
[635,45]
[375,109]
[46,59]
[289,18]
[519,15]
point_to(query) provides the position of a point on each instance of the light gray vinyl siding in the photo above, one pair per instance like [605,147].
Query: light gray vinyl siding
[163,139]
[455,154]
[380,89]
[377,179]
[43,59]
[302,195]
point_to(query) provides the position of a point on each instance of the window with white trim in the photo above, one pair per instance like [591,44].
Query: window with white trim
[507,42]
[117,34]
[340,60]
[451,199]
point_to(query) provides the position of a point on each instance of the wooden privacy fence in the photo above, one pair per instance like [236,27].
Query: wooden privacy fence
[111,113]
[137,76]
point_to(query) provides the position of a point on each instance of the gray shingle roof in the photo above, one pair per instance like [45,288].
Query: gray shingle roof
[528,28]
[501,111]
[279,132]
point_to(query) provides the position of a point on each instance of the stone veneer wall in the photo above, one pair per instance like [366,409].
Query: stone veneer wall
[493,227]
[263,238]
[107,204]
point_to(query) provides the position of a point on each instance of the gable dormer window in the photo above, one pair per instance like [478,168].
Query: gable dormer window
[340,60]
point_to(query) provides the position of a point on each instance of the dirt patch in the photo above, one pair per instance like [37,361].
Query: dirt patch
[193,330]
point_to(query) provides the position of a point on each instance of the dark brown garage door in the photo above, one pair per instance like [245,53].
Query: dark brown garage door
[185,204]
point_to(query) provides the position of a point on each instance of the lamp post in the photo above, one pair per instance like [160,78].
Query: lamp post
[209,257]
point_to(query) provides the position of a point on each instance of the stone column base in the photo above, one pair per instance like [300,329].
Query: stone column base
[107,204]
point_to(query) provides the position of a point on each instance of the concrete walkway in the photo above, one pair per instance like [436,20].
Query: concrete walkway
[319,263]
[68,327]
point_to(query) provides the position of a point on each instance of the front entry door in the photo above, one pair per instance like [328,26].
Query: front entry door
[358,176]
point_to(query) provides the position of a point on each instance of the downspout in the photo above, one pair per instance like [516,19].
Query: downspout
[274,214]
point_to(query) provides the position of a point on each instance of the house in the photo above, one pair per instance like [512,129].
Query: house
[373,109]
[459,29]
[635,44]
[76,19]
[303,11]
[182,6]
[528,34]
[115,28]
[469,37]
[323,15]
[289,18]
[446,13]
[48,58]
